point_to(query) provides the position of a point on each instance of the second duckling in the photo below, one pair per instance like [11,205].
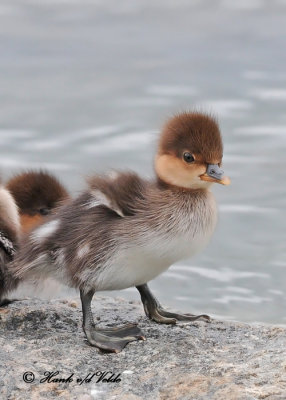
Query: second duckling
[37,194]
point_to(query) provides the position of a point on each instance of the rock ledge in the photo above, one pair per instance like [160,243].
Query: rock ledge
[199,360]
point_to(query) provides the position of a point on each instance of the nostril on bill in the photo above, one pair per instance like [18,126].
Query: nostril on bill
[214,171]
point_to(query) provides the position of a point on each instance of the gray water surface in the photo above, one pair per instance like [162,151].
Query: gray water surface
[86,85]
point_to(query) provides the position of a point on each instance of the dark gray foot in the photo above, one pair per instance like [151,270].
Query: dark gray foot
[125,331]
[107,339]
[156,312]
[115,339]
[162,316]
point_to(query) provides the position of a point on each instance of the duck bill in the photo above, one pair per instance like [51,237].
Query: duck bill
[223,181]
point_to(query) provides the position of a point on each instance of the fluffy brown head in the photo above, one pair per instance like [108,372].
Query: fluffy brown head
[189,143]
[36,194]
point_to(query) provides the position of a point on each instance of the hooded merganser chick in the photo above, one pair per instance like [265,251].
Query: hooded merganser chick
[9,237]
[124,231]
[36,194]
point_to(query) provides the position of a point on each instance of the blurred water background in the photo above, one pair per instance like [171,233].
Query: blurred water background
[86,85]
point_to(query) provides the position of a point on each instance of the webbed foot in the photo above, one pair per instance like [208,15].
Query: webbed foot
[156,312]
[113,339]
[106,339]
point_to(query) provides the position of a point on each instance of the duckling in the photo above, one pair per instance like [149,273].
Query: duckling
[36,193]
[9,238]
[124,230]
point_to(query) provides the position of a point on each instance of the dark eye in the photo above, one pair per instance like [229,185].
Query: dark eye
[188,157]
[44,211]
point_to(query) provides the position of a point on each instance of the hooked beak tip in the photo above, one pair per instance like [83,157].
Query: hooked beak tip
[225,181]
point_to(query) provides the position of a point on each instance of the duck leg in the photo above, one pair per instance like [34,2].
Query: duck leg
[108,339]
[154,310]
